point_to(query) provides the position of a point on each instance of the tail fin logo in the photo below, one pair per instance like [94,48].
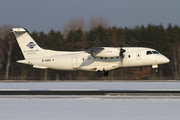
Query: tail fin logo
[31,45]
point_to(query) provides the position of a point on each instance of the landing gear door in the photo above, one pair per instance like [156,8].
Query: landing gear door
[138,56]
[74,63]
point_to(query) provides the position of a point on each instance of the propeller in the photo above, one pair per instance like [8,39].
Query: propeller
[121,54]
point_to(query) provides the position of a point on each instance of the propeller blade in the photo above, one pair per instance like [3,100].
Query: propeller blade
[122,51]
[121,55]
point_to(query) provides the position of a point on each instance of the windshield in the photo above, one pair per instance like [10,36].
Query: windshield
[151,52]
[155,52]
[148,53]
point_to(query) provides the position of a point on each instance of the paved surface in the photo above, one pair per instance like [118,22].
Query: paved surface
[93,92]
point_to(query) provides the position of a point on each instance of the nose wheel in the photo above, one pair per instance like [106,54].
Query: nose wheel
[156,67]
[101,73]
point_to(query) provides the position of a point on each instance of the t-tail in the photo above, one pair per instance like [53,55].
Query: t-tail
[29,47]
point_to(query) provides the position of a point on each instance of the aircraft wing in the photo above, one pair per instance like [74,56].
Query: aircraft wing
[94,48]
[91,50]
[102,51]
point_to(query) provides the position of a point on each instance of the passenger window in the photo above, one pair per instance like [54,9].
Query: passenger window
[129,56]
[148,53]
[155,52]
[83,59]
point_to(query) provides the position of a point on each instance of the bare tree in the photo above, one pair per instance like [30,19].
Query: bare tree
[175,58]
[78,24]
[95,22]
[73,25]
[115,41]
[82,43]
[7,42]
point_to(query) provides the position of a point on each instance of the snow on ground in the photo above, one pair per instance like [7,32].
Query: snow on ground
[89,108]
[90,85]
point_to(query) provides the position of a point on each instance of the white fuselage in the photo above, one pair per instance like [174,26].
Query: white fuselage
[133,57]
[100,59]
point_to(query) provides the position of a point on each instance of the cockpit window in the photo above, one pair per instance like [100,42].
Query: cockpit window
[155,52]
[151,52]
[148,53]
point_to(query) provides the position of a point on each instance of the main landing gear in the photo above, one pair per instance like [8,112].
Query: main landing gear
[102,73]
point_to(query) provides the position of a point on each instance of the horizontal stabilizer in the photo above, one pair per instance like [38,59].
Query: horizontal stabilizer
[19,29]
[24,61]
[29,63]
[40,67]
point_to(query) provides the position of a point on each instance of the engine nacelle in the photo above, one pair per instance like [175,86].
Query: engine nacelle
[107,52]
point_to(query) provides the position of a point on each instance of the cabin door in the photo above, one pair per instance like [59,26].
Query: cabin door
[74,63]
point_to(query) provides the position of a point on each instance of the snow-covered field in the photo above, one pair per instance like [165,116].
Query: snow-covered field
[90,85]
[88,108]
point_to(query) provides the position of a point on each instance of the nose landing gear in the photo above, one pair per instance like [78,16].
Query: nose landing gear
[102,73]
[156,67]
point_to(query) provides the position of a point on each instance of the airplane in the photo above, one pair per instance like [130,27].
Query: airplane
[97,59]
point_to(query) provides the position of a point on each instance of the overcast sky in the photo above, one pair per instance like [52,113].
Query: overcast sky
[44,15]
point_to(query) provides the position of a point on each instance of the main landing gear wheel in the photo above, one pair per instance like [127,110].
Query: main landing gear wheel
[100,74]
[105,74]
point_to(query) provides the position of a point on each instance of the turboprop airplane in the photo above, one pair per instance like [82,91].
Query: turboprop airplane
[97,59]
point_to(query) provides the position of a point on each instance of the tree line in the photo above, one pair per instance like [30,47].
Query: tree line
[164,40]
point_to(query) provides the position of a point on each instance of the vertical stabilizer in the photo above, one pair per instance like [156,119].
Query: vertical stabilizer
[29,47]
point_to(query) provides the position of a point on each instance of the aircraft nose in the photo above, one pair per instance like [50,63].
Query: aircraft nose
[165,60]
[162,59]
